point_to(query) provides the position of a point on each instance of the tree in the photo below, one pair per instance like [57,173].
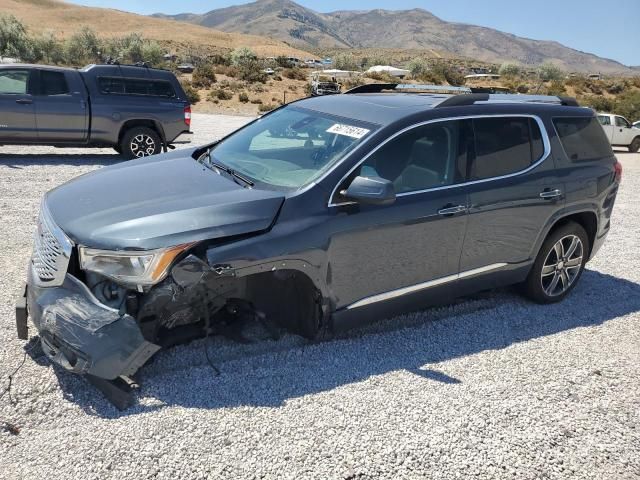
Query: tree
[628,105]
[249,68]
[83,47]
[48,49]
[418,67]
[203,76]
[14,41]
[345,61]
[153,53]
[242,57]
[509,70]
[548,72]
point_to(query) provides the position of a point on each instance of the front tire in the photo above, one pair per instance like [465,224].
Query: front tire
[138,142]
[559,264]
[635,145]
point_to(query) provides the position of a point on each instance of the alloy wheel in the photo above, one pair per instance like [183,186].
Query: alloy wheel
[562,265]
[143,145]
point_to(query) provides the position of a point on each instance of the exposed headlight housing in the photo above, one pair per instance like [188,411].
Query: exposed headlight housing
[136,268]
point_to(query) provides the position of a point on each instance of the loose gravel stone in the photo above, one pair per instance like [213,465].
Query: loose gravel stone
[491,387]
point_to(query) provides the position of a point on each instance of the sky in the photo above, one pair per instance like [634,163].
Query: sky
[609,28]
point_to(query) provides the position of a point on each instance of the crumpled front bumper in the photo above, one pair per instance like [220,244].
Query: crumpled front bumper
[83,335]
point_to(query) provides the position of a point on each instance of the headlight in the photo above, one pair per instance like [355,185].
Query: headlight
[131,268]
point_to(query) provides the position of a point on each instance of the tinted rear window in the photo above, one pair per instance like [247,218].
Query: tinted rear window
[135,86]
[53,83]
[505,145]
[583,138]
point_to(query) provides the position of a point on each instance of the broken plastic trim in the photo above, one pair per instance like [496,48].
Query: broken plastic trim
[84,336]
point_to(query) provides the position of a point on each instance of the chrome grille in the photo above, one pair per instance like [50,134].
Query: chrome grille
[51,251]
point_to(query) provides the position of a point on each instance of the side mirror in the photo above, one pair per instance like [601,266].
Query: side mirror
[371,190]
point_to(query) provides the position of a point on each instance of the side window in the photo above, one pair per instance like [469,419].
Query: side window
[604,119]
[13,82]
[429,156]
[53,83]
[135,86]
[583,138]
[160,88]
[108,85]
[504,145]
[621,122]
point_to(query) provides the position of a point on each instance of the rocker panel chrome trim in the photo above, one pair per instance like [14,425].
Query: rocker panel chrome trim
[380,297]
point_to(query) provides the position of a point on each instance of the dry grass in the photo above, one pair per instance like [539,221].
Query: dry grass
[274,92]
[65,19]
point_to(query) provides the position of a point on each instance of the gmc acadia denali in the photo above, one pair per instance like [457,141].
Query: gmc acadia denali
[325,213]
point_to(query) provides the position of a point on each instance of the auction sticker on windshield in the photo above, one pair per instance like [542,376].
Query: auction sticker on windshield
[348,130]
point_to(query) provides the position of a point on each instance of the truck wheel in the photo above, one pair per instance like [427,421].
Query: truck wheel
[559,264]
[635,145]
[140,142]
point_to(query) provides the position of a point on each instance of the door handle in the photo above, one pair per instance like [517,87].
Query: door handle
[452,210]
[551,193]
[24,101]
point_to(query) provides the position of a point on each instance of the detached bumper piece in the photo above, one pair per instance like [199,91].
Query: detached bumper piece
[21,314]
[85,337]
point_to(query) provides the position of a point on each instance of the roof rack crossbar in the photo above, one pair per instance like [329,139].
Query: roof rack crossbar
[461,100]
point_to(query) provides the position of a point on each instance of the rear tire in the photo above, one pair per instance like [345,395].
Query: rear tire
[635,145]
[559,264]
[138,142]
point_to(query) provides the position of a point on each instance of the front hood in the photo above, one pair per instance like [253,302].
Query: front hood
[158,202]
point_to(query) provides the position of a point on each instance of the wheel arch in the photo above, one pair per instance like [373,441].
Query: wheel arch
[587,219]
[287,289]
[142,122]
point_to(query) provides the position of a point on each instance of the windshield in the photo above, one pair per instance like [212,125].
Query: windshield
[290,147]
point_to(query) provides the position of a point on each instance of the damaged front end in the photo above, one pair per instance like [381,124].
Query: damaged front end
[94,320]
[84,336]
[77,331]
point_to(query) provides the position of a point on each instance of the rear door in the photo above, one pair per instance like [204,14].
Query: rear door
[607,126]
[513,191]
[17,117]
[60,106]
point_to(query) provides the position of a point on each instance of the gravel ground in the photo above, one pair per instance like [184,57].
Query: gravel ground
[492,387]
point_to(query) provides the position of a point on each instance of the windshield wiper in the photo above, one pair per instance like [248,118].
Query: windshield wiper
[230,171]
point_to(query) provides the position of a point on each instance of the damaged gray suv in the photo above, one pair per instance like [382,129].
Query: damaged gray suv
[323,214]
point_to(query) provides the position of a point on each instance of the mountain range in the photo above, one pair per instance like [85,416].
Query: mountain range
[302,27]
[64,19]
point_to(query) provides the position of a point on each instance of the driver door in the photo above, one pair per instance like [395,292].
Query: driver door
[379,252]
[623,134]
[18,119]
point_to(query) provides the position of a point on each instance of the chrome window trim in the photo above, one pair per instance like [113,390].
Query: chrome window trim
[543,134]
[380,297]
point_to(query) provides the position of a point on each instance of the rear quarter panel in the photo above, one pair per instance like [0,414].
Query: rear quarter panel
[589,186]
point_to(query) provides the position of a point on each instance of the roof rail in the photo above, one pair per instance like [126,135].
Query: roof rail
[461,100]
[464,95]
[408,87]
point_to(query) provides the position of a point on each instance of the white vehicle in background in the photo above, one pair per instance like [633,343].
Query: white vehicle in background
[637,124]
[620,131]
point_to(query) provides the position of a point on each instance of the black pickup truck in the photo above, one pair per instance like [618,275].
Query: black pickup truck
[137,110]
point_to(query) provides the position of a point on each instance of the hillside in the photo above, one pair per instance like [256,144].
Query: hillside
[409,29]
[64,19]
